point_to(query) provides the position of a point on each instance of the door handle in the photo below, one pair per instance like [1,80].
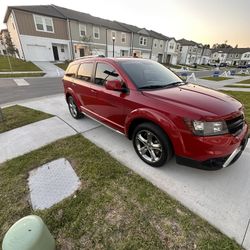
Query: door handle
[93,91]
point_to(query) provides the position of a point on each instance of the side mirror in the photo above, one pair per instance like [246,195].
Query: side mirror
[115,85]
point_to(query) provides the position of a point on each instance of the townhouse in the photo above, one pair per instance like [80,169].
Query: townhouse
[190,52]
[231,56]
[171,51]
[220,55]
[238,56]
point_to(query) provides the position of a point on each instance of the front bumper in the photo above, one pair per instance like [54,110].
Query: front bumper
[217,162]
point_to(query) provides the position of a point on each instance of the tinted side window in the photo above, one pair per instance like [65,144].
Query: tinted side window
[71,71]
[85,72]
[105,72]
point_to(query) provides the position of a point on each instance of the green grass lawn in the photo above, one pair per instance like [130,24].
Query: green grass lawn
[62,65]
[216,79]
[18,116]
[245,81]
[21,75]
[242,74]
[237,86]
[243,97]
[17,65]
[113,209]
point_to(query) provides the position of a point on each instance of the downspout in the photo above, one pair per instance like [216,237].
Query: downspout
[132,44]
[70,39]
[151,52]
[68,31]
[106,52]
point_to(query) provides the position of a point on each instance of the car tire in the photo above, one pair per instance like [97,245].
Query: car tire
[152,144]
[73,109]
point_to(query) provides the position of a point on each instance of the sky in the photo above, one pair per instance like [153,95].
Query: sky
[203,21]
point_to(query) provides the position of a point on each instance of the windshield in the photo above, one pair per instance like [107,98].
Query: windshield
[147,74]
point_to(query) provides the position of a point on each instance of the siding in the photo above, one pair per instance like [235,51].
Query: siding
[26,26]
[74,26]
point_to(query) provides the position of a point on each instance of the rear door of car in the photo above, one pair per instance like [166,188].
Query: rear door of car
[85,93]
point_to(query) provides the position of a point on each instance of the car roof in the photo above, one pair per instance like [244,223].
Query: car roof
[106,59]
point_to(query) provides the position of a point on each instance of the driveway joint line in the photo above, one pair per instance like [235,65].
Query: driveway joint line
[245,234]
[68,124]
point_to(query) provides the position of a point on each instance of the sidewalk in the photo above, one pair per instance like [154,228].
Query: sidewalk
[220,84]
[221,197]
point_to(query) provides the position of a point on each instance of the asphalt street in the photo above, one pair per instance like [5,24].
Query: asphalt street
[10,91]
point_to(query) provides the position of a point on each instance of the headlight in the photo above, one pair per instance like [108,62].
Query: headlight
[202,128]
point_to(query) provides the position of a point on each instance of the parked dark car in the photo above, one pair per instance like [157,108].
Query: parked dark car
[160,113]
[244,66]
[223,65]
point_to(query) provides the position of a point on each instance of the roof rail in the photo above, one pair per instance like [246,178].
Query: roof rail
[85,57]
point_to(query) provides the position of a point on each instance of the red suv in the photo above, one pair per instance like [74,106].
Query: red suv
[163,115]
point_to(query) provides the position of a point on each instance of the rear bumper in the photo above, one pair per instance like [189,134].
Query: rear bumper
[216,162]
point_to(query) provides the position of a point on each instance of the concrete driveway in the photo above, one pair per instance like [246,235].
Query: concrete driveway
[221,197]
[50,69]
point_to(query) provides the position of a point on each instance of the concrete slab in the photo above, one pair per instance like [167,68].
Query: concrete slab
[50,69]
[221,197]
[58,106]
[51,183]
[33,136]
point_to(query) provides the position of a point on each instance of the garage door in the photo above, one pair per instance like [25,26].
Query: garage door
[145,55]
[37,53]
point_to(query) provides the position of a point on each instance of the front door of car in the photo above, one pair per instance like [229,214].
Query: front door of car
[109,104]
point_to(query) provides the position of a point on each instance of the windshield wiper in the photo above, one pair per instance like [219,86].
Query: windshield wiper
[175,83]
[152,86]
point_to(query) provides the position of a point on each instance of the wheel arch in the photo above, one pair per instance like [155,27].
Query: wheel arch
[147,115]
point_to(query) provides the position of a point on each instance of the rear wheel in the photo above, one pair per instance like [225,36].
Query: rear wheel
[74,111]
[152,144]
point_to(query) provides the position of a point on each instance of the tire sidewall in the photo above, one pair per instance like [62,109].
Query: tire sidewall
[163,139]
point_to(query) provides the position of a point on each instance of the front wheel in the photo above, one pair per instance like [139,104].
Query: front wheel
[73,108]
[152,144]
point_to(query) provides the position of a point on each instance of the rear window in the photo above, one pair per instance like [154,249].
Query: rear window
[85,72]
[72,70]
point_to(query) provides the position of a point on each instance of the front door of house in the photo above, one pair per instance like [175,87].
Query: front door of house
[82,52]
[55,52]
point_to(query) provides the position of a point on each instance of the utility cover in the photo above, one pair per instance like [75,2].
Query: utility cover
[51,183]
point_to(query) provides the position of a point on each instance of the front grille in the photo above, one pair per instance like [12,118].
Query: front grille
[235,125]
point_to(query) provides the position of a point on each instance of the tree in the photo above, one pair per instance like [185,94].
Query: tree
[88,40]
[10,47]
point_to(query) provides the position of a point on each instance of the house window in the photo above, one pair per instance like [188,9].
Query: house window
[123,37]
[96,32]
[143,40]
[43,24]
[171,46]
[155,44]
[113,35]
[82,29]
[161,44]
[236,55]
[62,48]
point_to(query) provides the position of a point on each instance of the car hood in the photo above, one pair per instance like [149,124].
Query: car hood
[197,98]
